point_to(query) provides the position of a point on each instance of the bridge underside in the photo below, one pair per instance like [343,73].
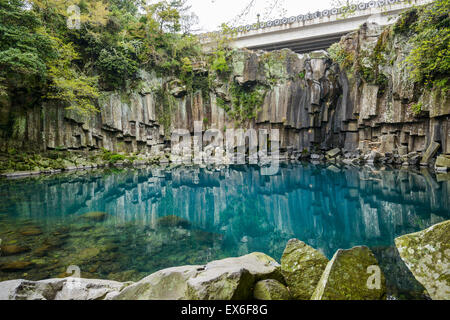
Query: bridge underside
[303,45]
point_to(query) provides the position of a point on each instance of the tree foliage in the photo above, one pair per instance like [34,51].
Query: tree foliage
[429,30]
[115,39]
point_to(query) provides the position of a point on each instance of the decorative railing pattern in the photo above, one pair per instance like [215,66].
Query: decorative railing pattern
[311,16]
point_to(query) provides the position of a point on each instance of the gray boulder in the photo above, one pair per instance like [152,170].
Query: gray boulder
[168,284]
[60,289]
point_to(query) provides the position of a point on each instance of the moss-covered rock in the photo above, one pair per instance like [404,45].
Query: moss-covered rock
[351,275]
[270,290]
[427,254]
[302,267]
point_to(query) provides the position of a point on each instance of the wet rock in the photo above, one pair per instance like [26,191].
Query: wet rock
[16,266]
[10,250]
[302,267]
[95,216]
[172,221]
[270,290]
[351,275]
[427,255]
[60,289]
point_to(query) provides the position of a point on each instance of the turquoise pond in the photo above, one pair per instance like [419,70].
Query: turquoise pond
[222,213]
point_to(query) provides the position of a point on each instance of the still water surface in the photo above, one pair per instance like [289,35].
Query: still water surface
[222,213]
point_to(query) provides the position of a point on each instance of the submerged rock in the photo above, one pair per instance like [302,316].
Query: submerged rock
[270,290]
[351,275]
[172,221]
[31,231]
[95,216]
[16,266]
[302,266]
[427,255]
[9,250]
[60,289]
[88,253]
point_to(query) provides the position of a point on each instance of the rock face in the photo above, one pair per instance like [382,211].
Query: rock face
[228,279]
[312,101]
[302,266]
[270,290]
[351,275]
[60,289]
[427,255]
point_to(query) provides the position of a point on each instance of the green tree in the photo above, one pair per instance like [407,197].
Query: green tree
[24,48]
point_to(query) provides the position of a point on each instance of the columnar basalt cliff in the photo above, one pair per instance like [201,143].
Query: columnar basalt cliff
[315,102]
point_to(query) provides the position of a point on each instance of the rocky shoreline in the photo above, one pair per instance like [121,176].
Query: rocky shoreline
[304,274]
[414,160]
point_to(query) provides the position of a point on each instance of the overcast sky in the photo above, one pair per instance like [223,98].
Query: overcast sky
[213,13]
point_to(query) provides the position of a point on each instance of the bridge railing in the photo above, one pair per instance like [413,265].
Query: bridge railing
[351,11]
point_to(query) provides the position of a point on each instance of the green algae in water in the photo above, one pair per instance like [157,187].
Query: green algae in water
[125,224]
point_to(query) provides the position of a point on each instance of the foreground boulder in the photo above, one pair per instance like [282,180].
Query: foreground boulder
[60,289]
[302,266]
[351,275]
[270,290]
[427,254]
[168,284]
[228,279]
[233,278]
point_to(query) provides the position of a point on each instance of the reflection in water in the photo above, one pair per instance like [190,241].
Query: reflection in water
[231,212]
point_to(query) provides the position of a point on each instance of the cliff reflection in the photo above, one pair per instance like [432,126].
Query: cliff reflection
[327,207]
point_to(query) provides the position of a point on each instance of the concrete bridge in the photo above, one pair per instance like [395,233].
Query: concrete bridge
[318,30]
